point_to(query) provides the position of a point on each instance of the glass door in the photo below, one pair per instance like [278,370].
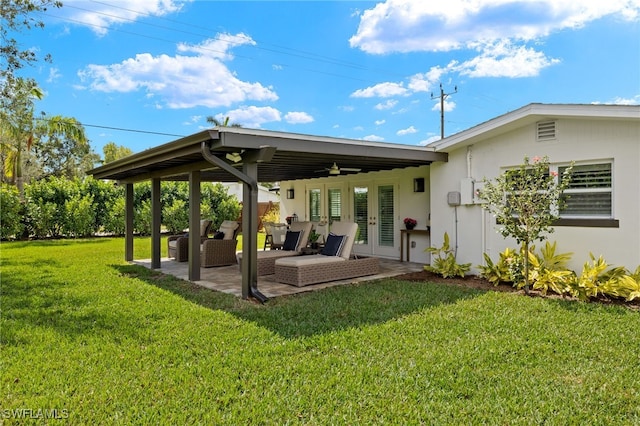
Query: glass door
[325,203]
[374,211]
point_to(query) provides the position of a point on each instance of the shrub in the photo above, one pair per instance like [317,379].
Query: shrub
[142,218]
[444,261]
[549,270]
[176,216]
[11,225]
[79,216]
[114,222]
[499,272]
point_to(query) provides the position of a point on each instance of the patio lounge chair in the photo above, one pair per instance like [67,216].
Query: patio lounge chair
[292,246]
[178,245]
[335,264]
[221,249]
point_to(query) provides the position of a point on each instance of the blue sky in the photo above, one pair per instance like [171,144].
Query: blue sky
[361,70]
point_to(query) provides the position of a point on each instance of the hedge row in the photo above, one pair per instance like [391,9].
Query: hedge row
[58,207]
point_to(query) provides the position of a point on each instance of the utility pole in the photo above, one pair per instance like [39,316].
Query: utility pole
[442,97]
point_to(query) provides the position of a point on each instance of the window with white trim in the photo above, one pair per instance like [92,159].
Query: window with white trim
[590,192]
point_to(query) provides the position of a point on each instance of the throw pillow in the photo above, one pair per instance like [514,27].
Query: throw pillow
[333,245]
[291,240]
[218,235]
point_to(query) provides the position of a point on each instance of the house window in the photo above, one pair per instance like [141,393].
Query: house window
[546,130]
[589,193]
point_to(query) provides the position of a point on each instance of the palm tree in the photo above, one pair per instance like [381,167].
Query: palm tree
[16,129]
[20,130]
[211,119]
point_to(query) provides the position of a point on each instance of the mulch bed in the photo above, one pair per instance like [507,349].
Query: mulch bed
[476,282]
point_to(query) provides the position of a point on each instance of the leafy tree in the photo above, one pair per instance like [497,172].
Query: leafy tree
[113,152]
[526,201]
[62,148]
[16,16]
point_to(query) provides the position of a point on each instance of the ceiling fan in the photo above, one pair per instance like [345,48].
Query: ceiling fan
[335,170]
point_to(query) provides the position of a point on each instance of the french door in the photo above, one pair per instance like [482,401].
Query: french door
[374,208]
[325,203]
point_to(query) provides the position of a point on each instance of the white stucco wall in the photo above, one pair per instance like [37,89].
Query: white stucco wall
[407,203]
[579,140]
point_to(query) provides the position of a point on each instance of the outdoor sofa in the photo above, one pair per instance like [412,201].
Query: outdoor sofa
[295,240]
[333,265]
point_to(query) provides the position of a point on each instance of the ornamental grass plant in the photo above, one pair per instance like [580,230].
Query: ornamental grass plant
[108,342]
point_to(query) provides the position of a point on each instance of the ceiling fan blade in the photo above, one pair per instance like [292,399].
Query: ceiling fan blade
[349,169]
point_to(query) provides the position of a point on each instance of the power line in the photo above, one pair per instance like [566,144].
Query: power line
[122,129]
[294,52]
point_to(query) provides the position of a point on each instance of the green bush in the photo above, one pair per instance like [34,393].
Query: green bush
[79,216]
[142,218]
[46,205]
[114,222]
[176,217]
[11,225]
[498,272]
[444,261]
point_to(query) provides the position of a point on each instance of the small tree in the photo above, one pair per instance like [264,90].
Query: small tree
[526,201]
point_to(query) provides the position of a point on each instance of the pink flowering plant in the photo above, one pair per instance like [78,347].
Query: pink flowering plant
[526,201]
[410,222]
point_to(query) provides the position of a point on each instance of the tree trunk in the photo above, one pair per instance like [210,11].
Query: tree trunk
[526,266]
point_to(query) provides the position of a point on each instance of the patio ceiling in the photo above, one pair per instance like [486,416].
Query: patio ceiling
[296,156]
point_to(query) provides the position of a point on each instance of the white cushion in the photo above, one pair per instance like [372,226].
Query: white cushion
[229,227]
[314,259]
[204,224]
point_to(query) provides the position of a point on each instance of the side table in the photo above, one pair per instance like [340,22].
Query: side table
[406,233]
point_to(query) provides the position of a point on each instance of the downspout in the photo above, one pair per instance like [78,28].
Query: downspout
[250,280]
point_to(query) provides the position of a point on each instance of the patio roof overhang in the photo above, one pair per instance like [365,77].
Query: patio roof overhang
[296,156]
[229,154]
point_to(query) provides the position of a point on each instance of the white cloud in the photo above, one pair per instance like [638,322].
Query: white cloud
[418,25]
[380,122]
[298,118]
[54,74]
[448,106]
[624,101]
[408,131]
[193,120]
[99,17]
[181,81]
[382,90]
[386,105]
[502,59]
[253,116]
[499,30]
[346,108]
[373,138]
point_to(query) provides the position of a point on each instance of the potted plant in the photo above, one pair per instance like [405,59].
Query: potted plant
[410,223]
[313,239]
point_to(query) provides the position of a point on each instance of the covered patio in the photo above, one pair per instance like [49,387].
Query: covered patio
[227,279]
[228,154]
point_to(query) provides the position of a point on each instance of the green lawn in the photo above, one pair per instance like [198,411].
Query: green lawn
[105,342]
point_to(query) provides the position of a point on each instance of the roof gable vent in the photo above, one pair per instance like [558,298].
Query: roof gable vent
[546,130]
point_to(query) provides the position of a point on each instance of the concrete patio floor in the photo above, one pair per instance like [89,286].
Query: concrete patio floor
[227,279]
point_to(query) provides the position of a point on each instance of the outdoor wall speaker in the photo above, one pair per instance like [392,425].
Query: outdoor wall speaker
[290,194]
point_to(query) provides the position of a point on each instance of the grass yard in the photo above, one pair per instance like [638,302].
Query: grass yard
[104,342]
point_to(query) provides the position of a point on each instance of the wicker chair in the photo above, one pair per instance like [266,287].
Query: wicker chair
[221,252]
[178,245]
